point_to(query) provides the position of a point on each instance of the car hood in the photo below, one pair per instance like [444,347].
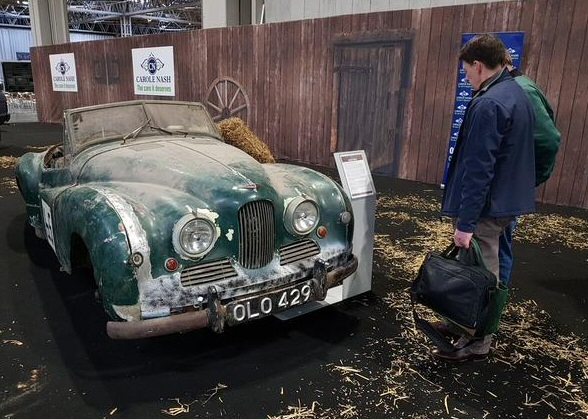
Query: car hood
[197,166]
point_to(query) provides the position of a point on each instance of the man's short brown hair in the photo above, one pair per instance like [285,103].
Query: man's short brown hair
[486,48]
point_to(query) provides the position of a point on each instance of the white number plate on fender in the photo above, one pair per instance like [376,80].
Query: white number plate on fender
[267,304]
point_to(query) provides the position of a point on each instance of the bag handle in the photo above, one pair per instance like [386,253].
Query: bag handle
[470,256]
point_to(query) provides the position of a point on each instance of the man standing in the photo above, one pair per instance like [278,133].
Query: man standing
[491,177]
[547,141]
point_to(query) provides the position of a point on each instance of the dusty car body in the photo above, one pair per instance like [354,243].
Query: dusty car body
[183,231]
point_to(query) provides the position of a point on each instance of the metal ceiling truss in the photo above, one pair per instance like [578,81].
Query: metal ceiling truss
[12,13]
[117,17]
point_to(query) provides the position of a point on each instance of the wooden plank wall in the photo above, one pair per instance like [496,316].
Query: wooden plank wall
[287,71]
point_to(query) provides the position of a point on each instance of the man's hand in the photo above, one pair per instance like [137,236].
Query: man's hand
[462,239]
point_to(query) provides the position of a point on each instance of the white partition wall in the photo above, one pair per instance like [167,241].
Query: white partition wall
[225,13]
[49,22]
[287,10]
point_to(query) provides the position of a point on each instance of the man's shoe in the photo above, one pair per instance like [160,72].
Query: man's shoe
[474,350]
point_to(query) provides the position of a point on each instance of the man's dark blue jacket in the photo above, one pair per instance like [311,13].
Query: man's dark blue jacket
[492,170]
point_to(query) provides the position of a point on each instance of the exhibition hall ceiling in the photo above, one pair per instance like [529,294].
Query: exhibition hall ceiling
[120,17]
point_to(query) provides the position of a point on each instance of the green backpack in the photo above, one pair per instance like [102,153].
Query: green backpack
[547,137]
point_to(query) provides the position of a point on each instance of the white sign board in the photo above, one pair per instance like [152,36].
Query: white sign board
[63,72]
[153,71]
[355,174]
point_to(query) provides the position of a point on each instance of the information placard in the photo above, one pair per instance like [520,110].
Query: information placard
[356,173]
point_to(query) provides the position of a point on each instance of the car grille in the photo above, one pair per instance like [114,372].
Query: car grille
[208,272]
[298,251]
[256,234]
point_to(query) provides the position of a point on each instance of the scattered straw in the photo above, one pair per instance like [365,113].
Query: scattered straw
[412,203]
[571,232]
[33,381]
[348,411]
[525,341]
[179,409]
[298,412]
[9,184]
[7,162]
[212,392]
[13,342]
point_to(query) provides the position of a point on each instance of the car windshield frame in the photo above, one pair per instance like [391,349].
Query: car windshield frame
[126,122]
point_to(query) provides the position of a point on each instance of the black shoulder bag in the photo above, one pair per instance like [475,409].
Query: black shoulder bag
[456,285]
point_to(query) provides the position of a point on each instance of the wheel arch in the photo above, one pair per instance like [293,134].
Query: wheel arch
[92,231]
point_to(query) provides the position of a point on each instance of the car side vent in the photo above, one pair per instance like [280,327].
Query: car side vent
[207,272]
[298,251]
[256,234]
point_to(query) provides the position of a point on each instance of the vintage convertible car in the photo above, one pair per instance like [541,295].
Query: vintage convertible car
[181,230]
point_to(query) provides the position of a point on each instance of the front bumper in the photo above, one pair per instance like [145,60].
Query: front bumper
[215,315]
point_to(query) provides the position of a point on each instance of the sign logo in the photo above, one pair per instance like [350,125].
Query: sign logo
[62,67]
[152,65]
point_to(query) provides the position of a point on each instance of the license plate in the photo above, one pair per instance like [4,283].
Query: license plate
[267,304]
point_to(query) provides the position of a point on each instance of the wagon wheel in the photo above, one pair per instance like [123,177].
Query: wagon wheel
[226,98]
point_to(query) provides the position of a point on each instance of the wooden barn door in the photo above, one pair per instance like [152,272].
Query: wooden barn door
[370,84]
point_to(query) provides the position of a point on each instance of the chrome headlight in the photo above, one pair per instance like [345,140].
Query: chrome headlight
[193,236]
[302,216]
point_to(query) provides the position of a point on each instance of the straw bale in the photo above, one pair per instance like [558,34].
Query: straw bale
[236,133]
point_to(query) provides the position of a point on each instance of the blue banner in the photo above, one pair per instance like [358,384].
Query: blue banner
[463,91]
[20,56]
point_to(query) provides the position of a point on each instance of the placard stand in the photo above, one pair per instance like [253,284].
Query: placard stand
[357,182]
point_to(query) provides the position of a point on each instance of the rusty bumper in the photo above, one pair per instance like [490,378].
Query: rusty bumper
[215,315]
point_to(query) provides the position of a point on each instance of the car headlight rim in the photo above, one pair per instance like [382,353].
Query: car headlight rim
[302,216]
[193,237]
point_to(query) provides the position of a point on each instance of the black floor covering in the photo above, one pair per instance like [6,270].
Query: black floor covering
[358,359]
